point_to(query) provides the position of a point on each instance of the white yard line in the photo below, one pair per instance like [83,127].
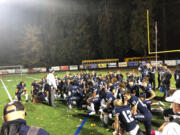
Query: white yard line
[5,88]
[33,78]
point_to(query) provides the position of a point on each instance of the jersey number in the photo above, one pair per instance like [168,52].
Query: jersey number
[128,116]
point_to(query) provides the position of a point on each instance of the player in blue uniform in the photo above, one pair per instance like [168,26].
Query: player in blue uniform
[143,70]
[147,91]
[144,116]
[35,88]
[124,119]
[93,99]
[21,90]
[74,94]
[132,87]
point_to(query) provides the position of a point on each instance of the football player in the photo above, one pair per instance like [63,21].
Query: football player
[144,116]
[124,119]
[21,90]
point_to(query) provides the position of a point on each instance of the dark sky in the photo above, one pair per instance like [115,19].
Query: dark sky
[16,14]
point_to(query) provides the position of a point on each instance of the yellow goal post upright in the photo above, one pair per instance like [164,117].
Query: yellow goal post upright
[149,44]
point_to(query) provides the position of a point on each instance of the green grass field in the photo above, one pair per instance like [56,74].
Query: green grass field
[60,120]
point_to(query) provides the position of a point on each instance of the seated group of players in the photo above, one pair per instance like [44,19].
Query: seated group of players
[38,91]
[110,95]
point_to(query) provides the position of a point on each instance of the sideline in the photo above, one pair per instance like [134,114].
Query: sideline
[82,124]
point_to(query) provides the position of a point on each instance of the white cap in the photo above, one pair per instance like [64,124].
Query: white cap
[171,128]
[175,98]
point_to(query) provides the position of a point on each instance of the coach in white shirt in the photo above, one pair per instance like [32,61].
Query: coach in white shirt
[51,86]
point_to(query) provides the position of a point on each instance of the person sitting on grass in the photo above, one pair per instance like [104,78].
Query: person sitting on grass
[14,121]
[147,91]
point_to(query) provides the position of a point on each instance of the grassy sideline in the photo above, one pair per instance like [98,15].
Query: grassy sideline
[60,120]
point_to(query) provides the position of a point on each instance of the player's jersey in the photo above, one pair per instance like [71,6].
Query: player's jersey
[132,88]
[125,117]
[20,88]
[120,95]
[147,91]
[109,98]
[94,89]
[35,85]
[140,105]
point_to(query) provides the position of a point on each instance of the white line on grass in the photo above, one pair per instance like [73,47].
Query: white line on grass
[33,78]
[10,98]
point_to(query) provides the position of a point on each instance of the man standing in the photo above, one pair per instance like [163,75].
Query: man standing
[151,75]
[160,72]
[177,77]
[166,78]
[51,82]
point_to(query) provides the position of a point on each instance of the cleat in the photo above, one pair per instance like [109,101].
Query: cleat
[92,113]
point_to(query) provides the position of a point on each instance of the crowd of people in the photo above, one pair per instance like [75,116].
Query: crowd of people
[127,101]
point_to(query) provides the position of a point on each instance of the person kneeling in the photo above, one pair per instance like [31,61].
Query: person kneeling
[124,119]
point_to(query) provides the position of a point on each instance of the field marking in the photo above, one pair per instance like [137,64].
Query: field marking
[82,124]
[9,80]
[33,78]
[10,98]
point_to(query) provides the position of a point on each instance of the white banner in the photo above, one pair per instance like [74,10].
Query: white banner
[170,62]
[25,70]
[17,71]
[56,68]
[42,69]
[73,67]
[153,63]
[112,65]
[2,72]
[122,64]
[37,69]
[11,71]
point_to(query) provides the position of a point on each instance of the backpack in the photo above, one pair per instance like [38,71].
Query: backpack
[33,130]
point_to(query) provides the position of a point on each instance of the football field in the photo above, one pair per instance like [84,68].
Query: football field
[60,120]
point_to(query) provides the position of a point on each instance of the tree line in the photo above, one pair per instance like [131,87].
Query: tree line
[82,29]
